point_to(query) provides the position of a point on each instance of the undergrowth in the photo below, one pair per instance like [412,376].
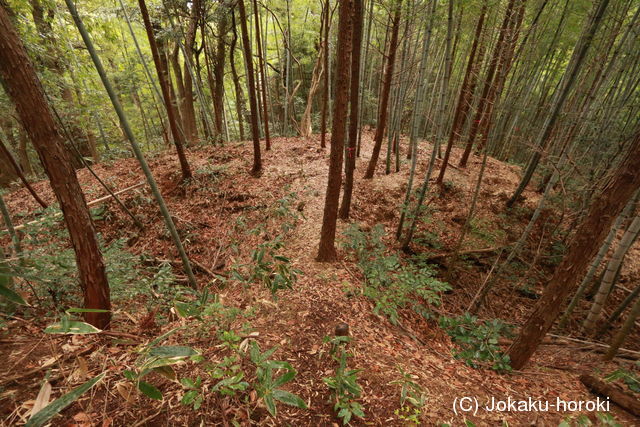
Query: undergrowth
[390,282]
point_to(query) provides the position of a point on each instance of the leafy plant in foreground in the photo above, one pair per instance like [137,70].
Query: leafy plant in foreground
[267,384]
[156,358]
[344,383]
[412,398]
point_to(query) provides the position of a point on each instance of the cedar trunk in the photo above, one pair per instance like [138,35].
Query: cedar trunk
[253,103]
[588,237]
[327,249]
[263,79]
[22,85]
[350,163]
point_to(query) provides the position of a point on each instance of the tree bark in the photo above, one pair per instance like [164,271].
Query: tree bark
[620,398]
[22,85]
[587,239]
[384,95]
[253,104]
[610,274]
[463,99]
[240,105]
[263,79]
[163,78]
[354,114]
[327,249]
[325,85]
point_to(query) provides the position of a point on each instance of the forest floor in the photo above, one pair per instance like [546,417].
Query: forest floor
[223,215]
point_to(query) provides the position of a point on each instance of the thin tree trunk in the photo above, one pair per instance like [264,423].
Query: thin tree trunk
[263,79]
[416,117]
[489,80]
[240,106]
[578,57]
[325,85]
[384,96]
[613,266]
[604,248]
[463,99]
[134,145]
[163,78]
[5,151]
[253,104]
[622,334]
[618,311]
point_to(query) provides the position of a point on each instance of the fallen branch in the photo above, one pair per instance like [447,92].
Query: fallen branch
[91,203]
[596,345]
[468,252]
[34,371]
[624,400]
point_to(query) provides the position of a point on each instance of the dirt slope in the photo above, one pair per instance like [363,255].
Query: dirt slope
[206,210]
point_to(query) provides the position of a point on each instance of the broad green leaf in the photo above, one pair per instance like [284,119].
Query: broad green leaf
[284,378]
[188,383]
[10,294]
[149,390]
[172,351]
[289,398]
[130,375]
[189,397]
[270,404]
[60,403]
[71,327]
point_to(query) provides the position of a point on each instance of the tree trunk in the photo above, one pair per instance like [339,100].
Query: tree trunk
[306,127]
[484,101]
[604,327]
[189,116]
[218,71]
[578,57]
[263,79]
[463,99]
[22,85]
[325,85]
[240,106]
[587,239]
[384,96]
[163,78]
[23,154]
[604,248]
[416,118]
[327,249]
[128,132]
[613,266]
[350,163]
[253,103]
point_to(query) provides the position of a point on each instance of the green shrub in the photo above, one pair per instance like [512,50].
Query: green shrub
[478,341]
[391,283]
